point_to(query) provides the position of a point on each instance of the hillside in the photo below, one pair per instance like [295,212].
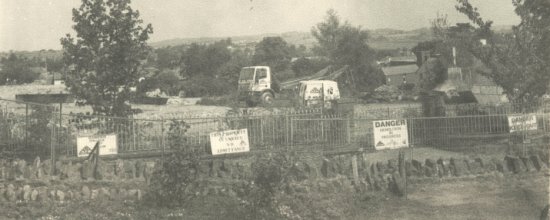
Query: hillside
[379,38]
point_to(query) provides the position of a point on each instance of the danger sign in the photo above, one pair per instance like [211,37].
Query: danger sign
[522,123]
[231,141]
[390,134]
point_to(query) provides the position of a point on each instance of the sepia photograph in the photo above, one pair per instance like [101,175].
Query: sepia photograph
[274,109]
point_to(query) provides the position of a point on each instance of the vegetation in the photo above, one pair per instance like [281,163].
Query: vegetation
[17,70]
[273,52]
[520,61]
[106,54]
[347,45]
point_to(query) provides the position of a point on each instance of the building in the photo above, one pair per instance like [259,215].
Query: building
[471,83]
[401,74]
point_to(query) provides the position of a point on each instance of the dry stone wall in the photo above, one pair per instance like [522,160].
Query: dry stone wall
[22,181]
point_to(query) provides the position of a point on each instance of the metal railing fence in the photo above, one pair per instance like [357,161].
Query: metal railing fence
[32,130]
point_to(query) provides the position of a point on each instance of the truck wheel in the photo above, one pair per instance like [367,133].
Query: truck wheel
[267,98]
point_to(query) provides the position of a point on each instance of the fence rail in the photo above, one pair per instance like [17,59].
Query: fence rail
[29,129]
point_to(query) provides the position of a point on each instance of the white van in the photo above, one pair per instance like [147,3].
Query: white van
[316,92]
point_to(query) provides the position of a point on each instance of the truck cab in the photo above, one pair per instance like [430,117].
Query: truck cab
[256,85]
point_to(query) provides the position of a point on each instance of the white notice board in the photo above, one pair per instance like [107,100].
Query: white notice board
[230,141]
[107,144]
[522,123]
[390,134]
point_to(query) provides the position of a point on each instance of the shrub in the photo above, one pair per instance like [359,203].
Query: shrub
[269,174]
[170,184]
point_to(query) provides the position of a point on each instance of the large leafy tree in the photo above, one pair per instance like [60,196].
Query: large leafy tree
[205,60]
[106,54]
[345,44]
[520,61]
[274,52]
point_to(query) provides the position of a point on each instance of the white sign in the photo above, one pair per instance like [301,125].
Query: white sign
[231,141]
[107,145]
[390,134]
[522,123]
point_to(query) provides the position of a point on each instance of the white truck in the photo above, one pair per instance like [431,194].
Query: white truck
[257,84]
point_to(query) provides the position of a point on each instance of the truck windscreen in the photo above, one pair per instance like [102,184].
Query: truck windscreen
[246,74]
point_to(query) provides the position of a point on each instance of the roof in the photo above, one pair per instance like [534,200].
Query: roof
[490,98]
[398,70]
[256,67]
[318,81]
[403,58]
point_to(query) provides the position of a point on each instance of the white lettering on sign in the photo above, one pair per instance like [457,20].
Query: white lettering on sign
[231,141]
[390,134]
[107,145]
[522,123]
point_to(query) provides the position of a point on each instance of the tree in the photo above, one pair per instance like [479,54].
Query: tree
[17,70]
[347,45]
[273,52]
[54,65]
[327,34]
[520,61]
[205,60]
[106,54]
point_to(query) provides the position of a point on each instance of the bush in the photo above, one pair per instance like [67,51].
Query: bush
[270,174]
[169,184]
[406,87]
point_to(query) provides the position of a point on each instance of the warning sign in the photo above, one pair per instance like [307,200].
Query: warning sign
[522,123]
[107,145]
[231,141]
[390,134]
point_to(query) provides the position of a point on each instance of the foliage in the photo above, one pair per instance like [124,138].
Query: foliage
[520,61]
[166,80]
[176,134]
[168,57]
[269,173]
[106,54]
[205,60]
[432,71]
[179,170]
[347,45]
[17,70]
[273,52]
[304,66]
[54,65]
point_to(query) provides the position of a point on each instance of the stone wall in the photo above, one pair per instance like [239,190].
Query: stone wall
[75,171]
[128,179]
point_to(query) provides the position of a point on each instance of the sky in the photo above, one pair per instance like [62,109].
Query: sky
[39,24]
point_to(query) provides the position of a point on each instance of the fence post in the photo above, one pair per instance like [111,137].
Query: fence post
[26,125]
[355,170]
[162,137]
[287,126]
[348,130]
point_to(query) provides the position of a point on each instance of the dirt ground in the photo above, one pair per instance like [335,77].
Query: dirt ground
[513,197]
[488,197]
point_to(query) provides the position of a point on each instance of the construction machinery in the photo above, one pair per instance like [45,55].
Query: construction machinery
[257,85]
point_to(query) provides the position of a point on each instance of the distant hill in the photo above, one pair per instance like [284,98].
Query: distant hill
[379,38]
